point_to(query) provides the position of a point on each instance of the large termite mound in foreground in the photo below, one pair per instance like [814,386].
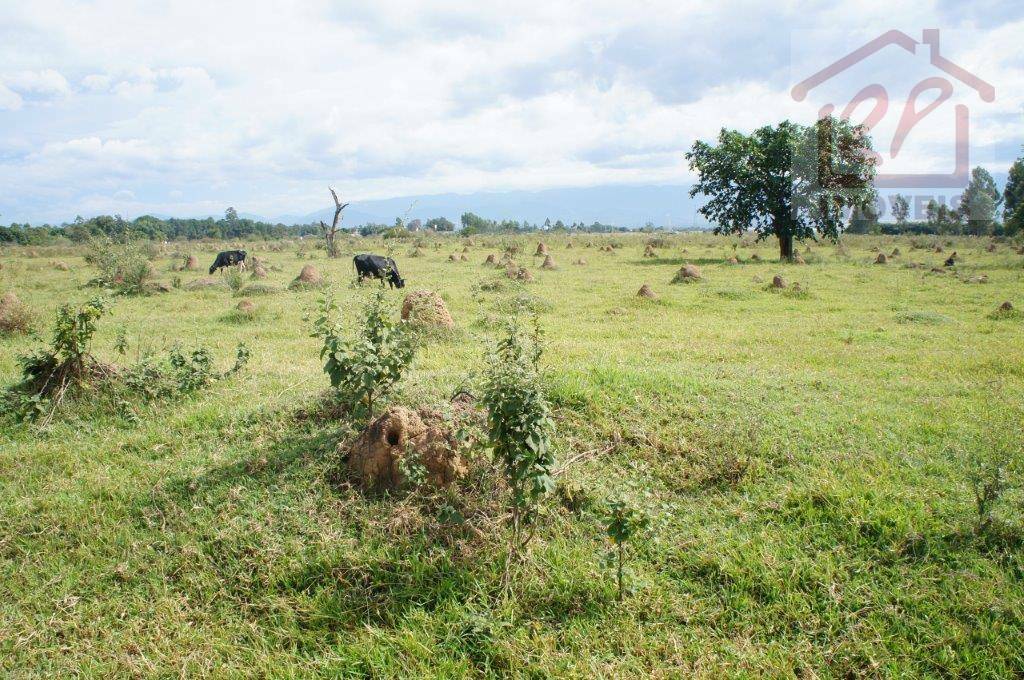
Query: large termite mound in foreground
[426,307]
[420,439]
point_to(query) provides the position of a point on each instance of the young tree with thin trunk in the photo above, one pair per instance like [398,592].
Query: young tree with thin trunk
[900,209]
[789,181]
[332,231]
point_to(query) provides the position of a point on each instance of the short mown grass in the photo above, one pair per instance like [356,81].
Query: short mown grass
[801,459]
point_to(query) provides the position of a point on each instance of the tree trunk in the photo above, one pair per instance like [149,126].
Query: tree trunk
[332,231]
[785,247]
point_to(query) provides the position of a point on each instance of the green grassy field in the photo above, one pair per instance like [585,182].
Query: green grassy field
[803,457]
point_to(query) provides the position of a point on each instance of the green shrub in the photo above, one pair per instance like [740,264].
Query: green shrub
[124,264]
[366,366]
[519,425]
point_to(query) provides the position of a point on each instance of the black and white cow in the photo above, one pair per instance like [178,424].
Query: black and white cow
[228,258]
[377,267]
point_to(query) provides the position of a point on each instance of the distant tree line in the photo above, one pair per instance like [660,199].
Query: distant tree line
[233,227]
[976,214]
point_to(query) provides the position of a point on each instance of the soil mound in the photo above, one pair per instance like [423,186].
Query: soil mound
[309,277]
[548,263]
[15,317]
[687,273]
[426,307]
[646,292]
[376,457]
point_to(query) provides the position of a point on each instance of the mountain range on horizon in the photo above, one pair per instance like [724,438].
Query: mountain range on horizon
[619,205]
[630,206]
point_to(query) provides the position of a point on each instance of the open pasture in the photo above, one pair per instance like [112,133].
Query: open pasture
[803,454]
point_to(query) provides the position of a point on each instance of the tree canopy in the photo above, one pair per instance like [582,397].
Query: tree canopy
[1013,199]
[789,181]
[980,202]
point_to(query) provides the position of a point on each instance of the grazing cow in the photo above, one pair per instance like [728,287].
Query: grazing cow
[228,258]
[377,267]
[951,260]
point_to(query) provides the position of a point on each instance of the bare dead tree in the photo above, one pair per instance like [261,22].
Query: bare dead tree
[332,231]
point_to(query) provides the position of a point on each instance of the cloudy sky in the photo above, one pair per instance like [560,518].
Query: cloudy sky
[184,107]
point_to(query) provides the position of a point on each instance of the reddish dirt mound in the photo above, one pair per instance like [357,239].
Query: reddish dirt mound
[426,307]
[895,252]
[247,306]
[646,292]
[192,263]
[308,277]
[258,272]
[687,273]
[1006,307]
[548,263]
[15,317]
[541,249]
[375,458]
[519,274]
[881,259]
[798,259]
[778,282]
[491,259]
[649,252]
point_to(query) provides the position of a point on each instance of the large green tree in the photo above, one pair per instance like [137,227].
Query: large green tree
[1013,199]
[979,203]
[789,181]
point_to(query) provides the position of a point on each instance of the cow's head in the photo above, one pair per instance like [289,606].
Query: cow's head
[394,278]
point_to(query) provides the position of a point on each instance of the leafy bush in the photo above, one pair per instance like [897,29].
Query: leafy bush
[123,263]
[48,373]
[235,280]
[66,365]
[519,425]
[364,367]
[180,372]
